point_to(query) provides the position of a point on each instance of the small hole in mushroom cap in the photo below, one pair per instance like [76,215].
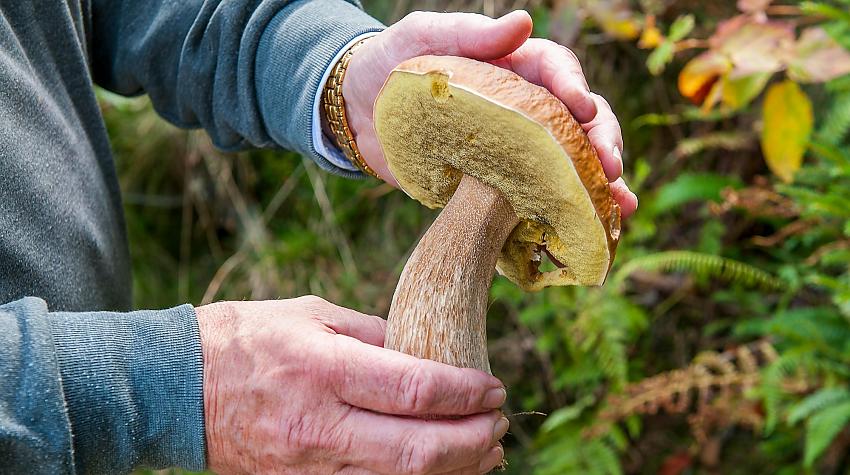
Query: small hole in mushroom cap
[439,86]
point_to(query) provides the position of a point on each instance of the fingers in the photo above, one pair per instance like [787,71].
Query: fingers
[390,382]
[607,138]
[465,34]
[627,200]
[556,68]
[344,321]
[366,328]
[398,445]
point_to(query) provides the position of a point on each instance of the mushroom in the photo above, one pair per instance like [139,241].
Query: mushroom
[519,181]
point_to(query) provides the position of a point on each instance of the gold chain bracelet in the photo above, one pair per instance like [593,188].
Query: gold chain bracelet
[334,106]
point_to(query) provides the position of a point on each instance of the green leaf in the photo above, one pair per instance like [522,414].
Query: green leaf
[567,414]
[822,428]
[737,93]
[681,28]
[658,59]
[824,10]
[788,122]
[689,187]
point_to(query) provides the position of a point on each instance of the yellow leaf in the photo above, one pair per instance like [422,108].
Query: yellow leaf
[787,118]
[620,28]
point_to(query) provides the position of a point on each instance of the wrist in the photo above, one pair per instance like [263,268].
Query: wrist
[362,81]
[213,323]
[337,112]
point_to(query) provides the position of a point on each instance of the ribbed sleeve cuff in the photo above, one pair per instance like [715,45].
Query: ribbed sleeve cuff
[296,48]
[133,384]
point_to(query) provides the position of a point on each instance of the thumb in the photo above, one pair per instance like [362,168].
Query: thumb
[468,34]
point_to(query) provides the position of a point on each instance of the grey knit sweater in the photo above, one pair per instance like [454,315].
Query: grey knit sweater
[85,387]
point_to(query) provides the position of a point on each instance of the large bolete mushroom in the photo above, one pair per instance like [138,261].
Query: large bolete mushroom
[519,181]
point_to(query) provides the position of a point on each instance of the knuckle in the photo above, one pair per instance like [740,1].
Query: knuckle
[557,47]
[570,53]
[415,16]
[418,457]
[418,389]
[315,305]
[312,300]
[602,101]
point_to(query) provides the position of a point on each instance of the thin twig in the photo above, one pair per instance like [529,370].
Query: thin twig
[221,275]
[282,194]
[329,217]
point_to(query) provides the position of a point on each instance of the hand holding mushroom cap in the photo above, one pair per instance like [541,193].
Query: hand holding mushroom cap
[518,179]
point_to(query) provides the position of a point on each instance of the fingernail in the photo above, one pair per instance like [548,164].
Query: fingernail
[618,155]
[492,459]
[500,429]
[495,398]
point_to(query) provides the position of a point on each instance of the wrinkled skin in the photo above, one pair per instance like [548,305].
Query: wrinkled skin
[504,42]
[302,386]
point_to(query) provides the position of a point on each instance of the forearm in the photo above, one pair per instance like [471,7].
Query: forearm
[245,71]
[99,392]
[133,385]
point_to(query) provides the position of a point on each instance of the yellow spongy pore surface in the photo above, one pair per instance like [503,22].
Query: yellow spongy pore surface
[433,131]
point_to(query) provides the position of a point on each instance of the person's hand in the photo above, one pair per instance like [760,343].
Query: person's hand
[303,386]
[504,42]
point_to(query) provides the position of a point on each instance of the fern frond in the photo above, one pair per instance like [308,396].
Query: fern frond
[822,428]
[836,122]
[817,402]
[602,459]
[702,265]
[788,367]
[712,377]
[574,454]
[730,141]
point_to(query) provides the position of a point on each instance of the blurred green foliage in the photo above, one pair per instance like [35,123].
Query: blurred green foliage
[721,342]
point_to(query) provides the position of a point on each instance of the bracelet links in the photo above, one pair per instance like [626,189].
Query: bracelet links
[334,106]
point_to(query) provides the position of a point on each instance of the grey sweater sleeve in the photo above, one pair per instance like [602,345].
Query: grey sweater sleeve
[247,71]
[99,392]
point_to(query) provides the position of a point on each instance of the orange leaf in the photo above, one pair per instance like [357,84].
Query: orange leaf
[698,76]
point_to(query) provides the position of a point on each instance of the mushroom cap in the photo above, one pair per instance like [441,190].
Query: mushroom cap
[439,117]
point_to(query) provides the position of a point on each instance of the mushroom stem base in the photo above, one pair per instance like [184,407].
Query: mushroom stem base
[439,307]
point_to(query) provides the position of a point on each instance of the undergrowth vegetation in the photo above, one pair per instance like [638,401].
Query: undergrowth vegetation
[721,341]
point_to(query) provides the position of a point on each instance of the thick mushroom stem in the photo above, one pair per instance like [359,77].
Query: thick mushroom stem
[440,303]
